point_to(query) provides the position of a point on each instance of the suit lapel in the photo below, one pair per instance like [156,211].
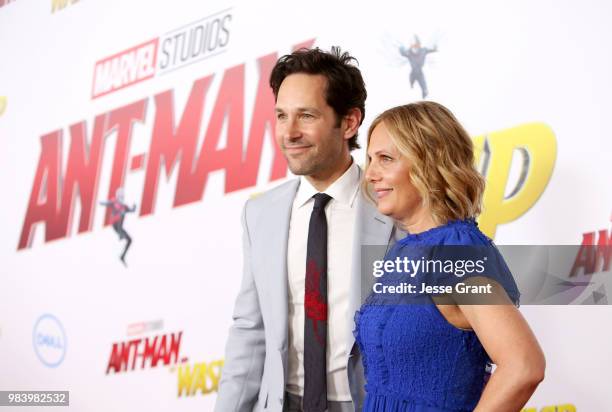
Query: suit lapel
[276,218]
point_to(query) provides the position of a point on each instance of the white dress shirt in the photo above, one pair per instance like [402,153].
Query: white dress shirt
[341,214]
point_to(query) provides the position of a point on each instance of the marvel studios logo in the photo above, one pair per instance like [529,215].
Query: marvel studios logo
[185,45]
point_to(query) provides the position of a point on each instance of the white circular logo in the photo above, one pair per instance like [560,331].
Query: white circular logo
[49,340]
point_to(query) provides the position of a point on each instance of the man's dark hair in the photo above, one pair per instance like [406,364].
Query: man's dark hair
[345,86]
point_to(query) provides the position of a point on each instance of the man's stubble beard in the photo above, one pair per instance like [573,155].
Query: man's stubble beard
[306,166]
[319,162]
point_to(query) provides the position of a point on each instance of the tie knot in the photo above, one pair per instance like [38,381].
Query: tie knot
[321,200]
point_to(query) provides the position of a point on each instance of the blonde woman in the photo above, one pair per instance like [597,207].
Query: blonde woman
[428,350]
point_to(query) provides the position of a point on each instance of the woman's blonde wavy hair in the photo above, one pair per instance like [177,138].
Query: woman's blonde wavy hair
[441,158]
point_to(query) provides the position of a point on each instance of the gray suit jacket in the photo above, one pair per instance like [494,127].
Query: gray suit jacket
[255,369]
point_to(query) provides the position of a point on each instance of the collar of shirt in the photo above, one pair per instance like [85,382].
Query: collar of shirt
[343,190]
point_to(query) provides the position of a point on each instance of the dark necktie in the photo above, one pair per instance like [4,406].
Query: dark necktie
[315,309]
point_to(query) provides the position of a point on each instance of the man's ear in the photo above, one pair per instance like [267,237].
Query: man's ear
[351,121]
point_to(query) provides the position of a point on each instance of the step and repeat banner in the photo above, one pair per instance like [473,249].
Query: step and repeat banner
[163,110]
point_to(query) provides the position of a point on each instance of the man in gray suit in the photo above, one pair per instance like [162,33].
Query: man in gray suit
[291,346]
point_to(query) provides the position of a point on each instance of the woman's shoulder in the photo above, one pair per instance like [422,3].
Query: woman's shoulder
[454,232]
[458,242]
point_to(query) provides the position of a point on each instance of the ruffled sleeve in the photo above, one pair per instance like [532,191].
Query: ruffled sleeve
[455,255]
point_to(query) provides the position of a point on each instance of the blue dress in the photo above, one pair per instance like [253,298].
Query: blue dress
[414,359]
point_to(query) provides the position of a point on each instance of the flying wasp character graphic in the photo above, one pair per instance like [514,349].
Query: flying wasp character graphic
[416,55]
[118,212]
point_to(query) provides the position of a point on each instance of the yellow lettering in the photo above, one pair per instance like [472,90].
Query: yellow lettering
[554,408]
[185,380]
[202,376]
[201,381]
[61,4]
[214,369]
[58,5]
[537,145]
